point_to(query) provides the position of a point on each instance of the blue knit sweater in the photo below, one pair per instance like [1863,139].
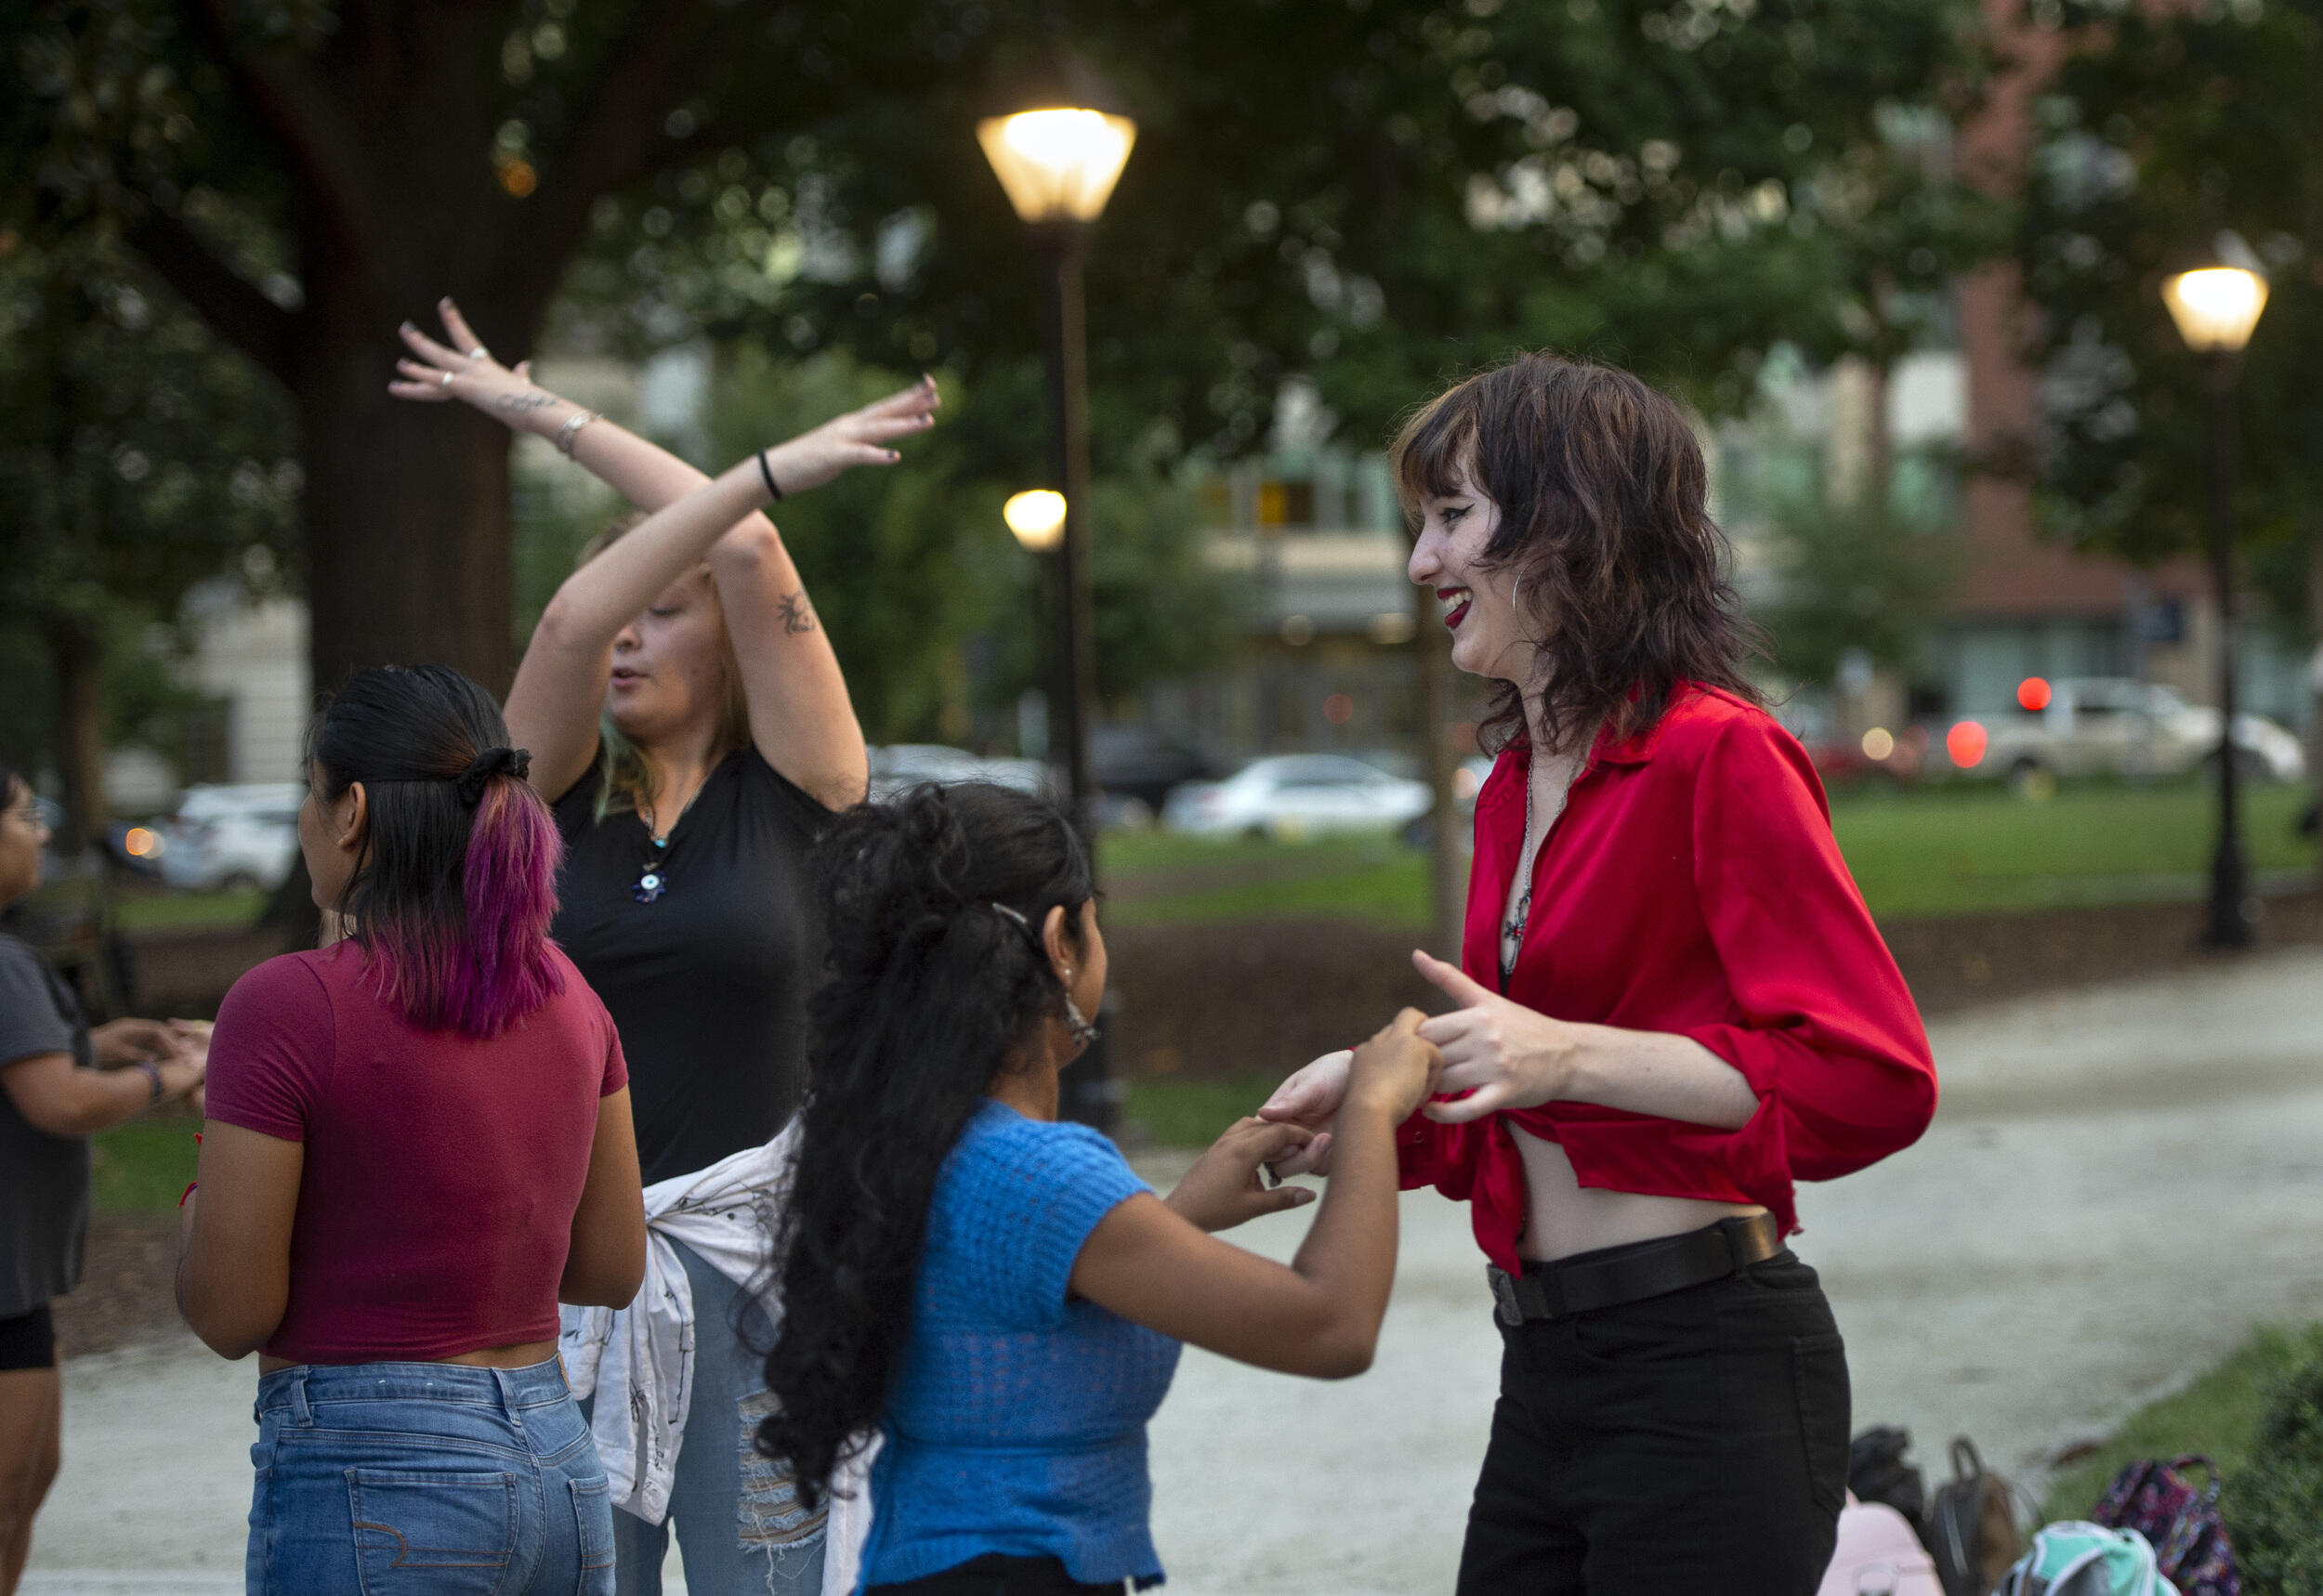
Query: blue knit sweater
[1018,1424]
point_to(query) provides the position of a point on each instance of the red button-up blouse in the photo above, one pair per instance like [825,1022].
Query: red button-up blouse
[1691,886]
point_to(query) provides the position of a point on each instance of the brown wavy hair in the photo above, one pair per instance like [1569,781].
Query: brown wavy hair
[1605,521]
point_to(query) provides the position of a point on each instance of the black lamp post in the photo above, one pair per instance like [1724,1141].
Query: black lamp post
[2215,308]
[1058,158]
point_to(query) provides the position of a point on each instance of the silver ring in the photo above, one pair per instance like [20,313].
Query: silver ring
[480,353]
[447,378]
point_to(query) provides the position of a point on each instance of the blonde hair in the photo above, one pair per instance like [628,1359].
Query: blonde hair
[623,775]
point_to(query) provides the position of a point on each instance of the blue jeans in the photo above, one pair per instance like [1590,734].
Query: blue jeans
[379,1479]
[739,1525]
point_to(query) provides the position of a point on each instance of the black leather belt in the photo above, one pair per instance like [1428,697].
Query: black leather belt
[1633,1273]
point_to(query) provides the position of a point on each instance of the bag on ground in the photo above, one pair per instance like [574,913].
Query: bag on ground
[1972,1525]
[1879,1554]
[2087,1560]
[2181,1521]
[1878,1473]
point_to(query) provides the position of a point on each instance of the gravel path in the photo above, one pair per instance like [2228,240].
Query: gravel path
[2119,1183]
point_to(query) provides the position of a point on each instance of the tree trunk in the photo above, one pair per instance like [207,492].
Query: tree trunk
[79,659]
[406,509]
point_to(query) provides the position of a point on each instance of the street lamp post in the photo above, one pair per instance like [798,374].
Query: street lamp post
[1057,159]
[2215,308]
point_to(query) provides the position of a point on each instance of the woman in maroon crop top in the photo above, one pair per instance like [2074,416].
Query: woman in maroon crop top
[1670,1004]
[418,1143]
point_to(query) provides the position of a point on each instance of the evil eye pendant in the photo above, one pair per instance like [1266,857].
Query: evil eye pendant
[648,888]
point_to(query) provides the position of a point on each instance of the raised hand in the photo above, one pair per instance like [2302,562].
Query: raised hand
[1501,1054]
[1223,1190]
[859,437]
[433,373]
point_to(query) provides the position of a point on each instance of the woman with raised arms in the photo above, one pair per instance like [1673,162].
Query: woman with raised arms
[689,722]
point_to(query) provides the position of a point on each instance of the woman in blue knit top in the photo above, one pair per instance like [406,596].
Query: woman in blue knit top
[994,1292]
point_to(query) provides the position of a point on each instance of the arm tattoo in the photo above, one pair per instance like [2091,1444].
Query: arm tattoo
[797,614]
[531,399]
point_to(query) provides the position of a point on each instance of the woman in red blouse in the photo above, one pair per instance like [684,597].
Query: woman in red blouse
[1672,1005]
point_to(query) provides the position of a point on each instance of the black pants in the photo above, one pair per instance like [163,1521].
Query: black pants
[28,1340]
[993,1575]
[1687,1443]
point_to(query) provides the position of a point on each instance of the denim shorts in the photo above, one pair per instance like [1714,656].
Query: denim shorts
[381,1479]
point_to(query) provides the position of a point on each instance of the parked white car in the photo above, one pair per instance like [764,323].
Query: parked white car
[2113,726]
[235,837]
[1296,795]
[902,765]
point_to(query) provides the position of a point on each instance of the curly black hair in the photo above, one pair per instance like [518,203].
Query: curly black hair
[1605,520]
[931,989]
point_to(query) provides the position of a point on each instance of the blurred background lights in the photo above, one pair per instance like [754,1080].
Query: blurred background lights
[140,843]
[1037,517]
[1965,742]
[1878,743]
[2033,694]
[1338,709]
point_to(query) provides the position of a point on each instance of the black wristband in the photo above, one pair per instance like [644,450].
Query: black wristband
[766,473]
[153,1078]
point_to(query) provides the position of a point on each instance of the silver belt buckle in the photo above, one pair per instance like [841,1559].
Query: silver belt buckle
[1505,1304]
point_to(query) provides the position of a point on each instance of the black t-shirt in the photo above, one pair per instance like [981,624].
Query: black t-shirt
[44,1179]
[707,984]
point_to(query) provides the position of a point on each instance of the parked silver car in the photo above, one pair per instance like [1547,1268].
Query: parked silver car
[232,837]
[898,766]
[1296,795]
[2113,726]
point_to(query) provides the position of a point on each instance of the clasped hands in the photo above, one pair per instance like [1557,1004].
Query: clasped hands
[179,1049]
[1390,1076]
[1501,1054]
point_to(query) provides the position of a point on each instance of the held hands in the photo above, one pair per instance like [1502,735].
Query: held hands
[179,1051]
[1223,1190]
[1395,1070]
[1501,1055]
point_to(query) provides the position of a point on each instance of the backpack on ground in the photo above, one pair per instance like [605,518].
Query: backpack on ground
[2087,1560]
[2183,1523]
[1879,1554]
[1877,1472]
[1972,1525]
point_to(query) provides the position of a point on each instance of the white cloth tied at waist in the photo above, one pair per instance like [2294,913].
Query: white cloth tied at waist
[638,1360]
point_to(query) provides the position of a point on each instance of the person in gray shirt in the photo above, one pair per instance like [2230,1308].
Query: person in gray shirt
[59,1082]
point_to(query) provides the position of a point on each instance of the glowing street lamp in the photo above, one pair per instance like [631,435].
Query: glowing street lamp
[1058,163]
[1058,147]
[2216,309]
[1037,517]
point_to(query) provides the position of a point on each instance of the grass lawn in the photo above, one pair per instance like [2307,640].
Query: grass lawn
[1933,850]
[143,1167]
[2217,1416]
[186,910]
[1193,1113]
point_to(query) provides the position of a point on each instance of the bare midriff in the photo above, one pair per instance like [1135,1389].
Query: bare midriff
[524,1354]
[1562,1217]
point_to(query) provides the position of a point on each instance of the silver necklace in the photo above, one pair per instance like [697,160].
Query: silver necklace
[1520,913]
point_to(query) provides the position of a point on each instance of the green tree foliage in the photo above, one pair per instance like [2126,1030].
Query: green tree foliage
[1382,192]
[2167,126]
[137,458]
[1855,578]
